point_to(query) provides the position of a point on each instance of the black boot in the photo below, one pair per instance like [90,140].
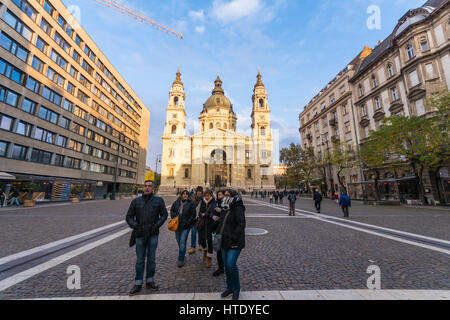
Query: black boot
[235,296]
[226,293]
[218,272]
[136,289]
[152,286]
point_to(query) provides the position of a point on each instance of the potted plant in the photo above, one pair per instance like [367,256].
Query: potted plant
[75,191]
[29,202]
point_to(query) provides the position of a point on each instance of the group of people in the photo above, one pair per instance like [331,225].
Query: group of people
[216,218]
[276,197]
[343,201]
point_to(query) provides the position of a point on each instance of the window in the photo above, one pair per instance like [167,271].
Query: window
[332,99]
[73,72]
[48,7]
[174,129]
[48,115]
[86,66]
[8,97]
[64,122]
[342,90]
[80,113]
[85,82]
[374,81]
[394,94]
[55,77]
[410,50]
[424,44]
[63,24]
[5,122]
[430,70]
[364,110]
[59,160]
[263,131]
[70,88]
[44,135]
[345,109]
[28,106]
[40,156]
[13,47]
[61,141]
[51,96]
[17,25]
[76,56]
[249,174]
[33,84]
[347,127]
[67,105]
[61,42]
[45,26]
[27,8]
[37,64]
[378,103]
[414,78]
[58,59]
[3,148]
[75,145]
[390,70]
[361,90]
[23,128]
[41,44]
[11,72]
[19,152]
[89,52]
[73,163]
[78,40]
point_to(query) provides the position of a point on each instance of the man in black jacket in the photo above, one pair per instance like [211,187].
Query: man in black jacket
[145,216]
[317,200]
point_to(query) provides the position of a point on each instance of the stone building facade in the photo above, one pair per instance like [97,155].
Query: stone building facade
[399,77]
[217,156]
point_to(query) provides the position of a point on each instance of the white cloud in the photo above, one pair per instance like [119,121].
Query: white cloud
[235,9]
[200,29]
[197,15]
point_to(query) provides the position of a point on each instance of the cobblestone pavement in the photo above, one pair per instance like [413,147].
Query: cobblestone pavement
[296,254]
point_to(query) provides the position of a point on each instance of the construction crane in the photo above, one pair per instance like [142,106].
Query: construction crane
[136,15]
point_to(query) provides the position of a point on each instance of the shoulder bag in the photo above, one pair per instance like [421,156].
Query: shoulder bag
[217,239]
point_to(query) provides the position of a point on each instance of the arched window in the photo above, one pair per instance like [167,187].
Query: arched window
[261,103]
[171,171]
[174,129]
[186,173]
[176,101]
[263,131]
[211,126]
[225,126]
[390,70]
[249,173]
[217,125]
[203,126]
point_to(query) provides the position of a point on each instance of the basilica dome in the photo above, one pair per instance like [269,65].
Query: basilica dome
[218,98]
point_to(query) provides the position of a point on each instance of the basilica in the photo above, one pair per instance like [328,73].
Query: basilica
[217,156]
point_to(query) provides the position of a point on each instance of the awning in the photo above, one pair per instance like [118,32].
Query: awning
[6,176]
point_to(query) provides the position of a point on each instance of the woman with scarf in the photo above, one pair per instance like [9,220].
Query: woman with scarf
[184,208]
[232,222]
[205,225]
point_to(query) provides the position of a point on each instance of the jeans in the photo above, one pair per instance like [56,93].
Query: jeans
[220,265]
[317,205]
[15,201]
[205,240]
[181,236]
[292,208]
[231,270]
[345,210]
[148,249]
[194,237]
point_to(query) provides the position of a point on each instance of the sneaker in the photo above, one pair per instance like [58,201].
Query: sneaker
[152,286]
[235,296]
[192,251]
[136,289]
[226,293]
[218,273]
[180,264]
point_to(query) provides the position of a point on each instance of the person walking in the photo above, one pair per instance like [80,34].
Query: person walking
[271,197]
[345,203]
[145,216]
[281,197]
[205,224]
[197,202]
[292,200]
[184,208]
[276,196]
[317,197]
[232,222]
[14,198]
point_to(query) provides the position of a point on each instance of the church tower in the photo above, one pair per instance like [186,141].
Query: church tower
[175,143]
[262,136]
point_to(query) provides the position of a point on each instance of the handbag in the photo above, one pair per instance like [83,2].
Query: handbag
[201,221]
[175,222]
[217,238]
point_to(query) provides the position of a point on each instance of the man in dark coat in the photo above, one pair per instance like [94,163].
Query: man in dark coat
[317,200]
[145,216]
[345,203]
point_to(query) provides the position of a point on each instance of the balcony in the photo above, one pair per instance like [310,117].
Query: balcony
[335,139]
[309,136]
[364,121]
[333,122]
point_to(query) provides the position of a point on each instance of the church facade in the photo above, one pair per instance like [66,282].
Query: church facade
[217,156]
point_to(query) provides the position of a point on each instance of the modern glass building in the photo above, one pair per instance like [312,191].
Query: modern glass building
[67,117]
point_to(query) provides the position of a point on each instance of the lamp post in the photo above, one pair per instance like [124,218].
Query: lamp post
[113,195]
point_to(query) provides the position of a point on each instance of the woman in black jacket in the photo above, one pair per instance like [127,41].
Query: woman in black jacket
[232,219]
[185,209]
[205,225]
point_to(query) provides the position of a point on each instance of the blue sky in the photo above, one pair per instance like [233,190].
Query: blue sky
[299,45]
